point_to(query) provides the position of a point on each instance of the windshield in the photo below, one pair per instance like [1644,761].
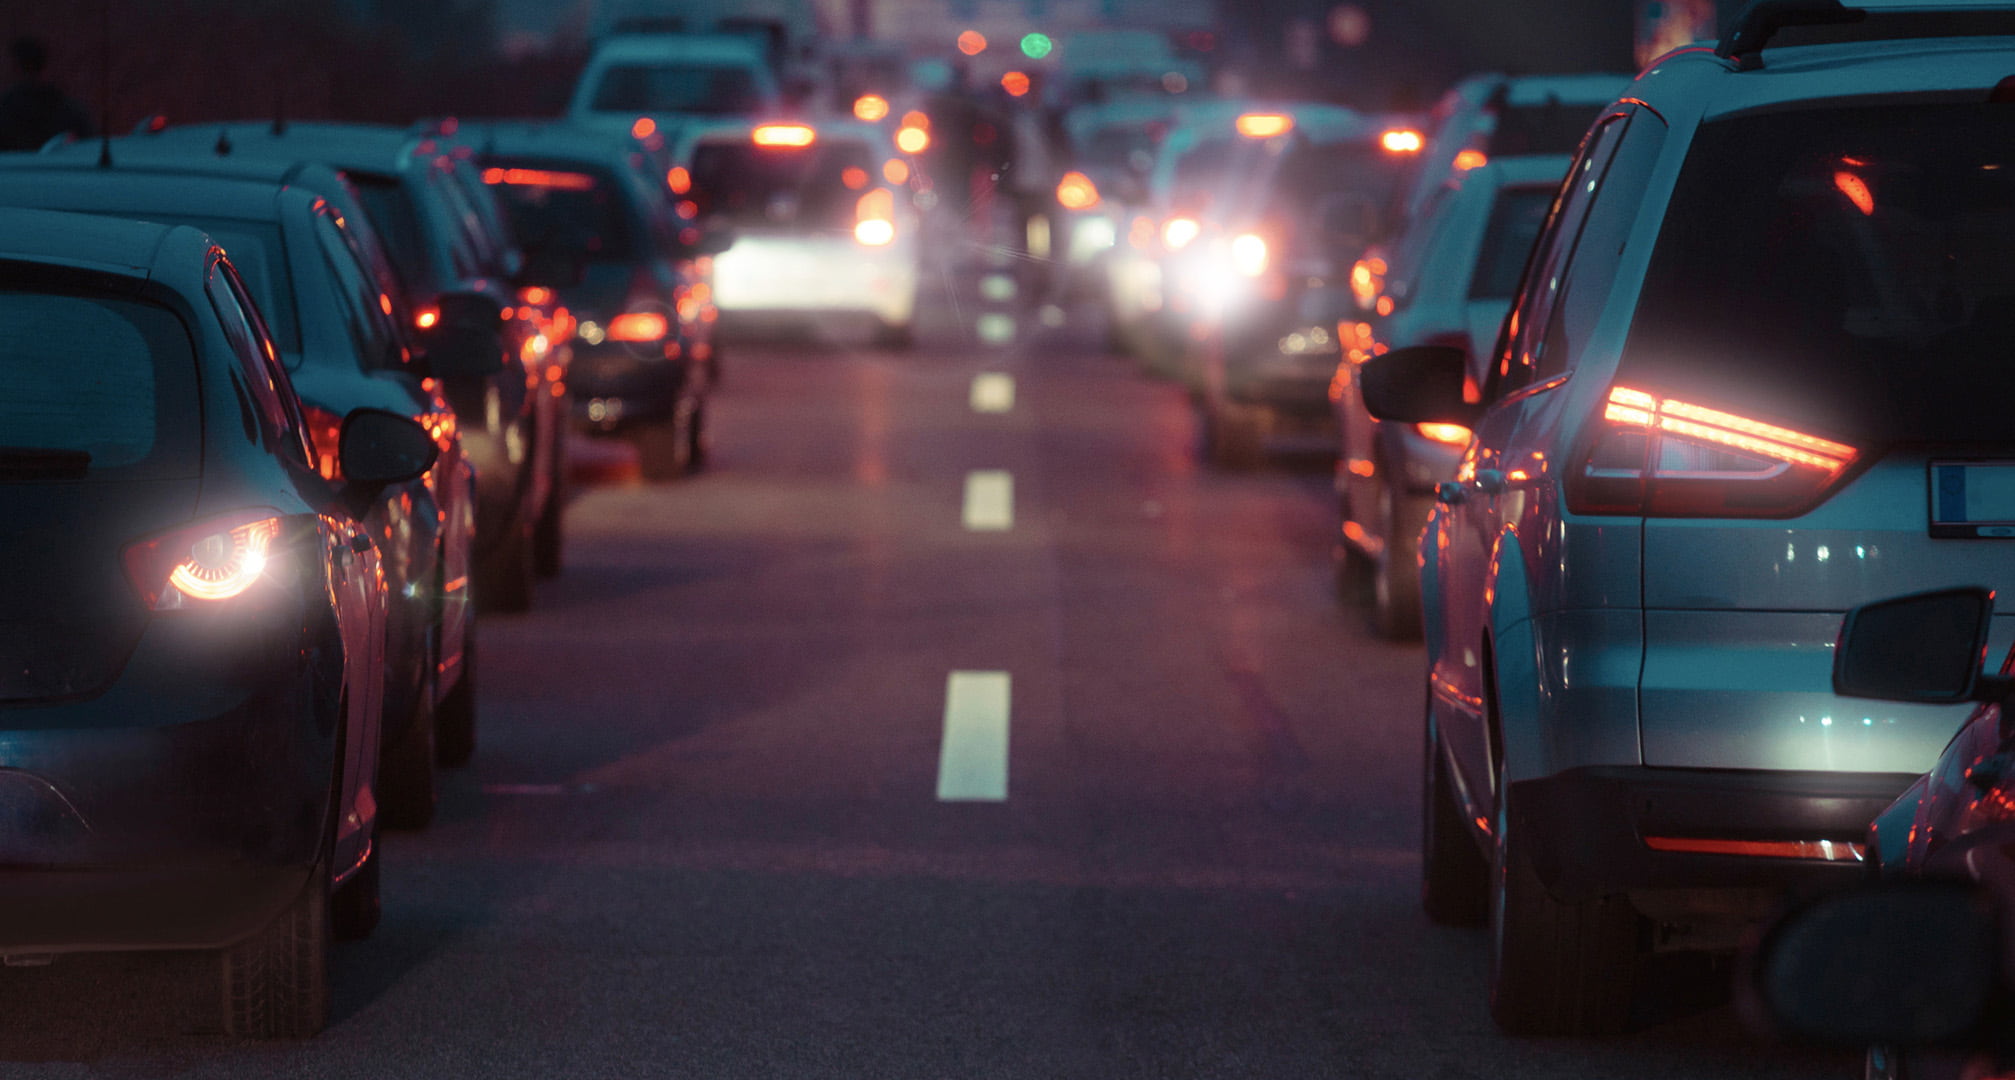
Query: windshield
[1850,266]
[109,379]
[1515,219]
[815,187]
[705,89]
[561,206]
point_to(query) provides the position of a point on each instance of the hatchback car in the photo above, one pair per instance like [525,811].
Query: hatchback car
[1447,280]
[305,263]
[195,667]
[1755,375]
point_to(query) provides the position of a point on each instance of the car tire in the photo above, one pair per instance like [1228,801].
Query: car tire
[1395,577]
[455,720]
[549,532]
[1235,435]
[276,982]
[1454,874]
[664,449]
[897,337]
[409,786]
[1556,968]
[354,906]
[509,588]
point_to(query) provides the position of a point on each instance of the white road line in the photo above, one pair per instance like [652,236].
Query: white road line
[993,392]
[973,760]
[995,328]
[989,504]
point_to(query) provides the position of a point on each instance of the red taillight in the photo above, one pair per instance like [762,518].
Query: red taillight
[325,430]
[207,562]
[639,326]
[1660,457]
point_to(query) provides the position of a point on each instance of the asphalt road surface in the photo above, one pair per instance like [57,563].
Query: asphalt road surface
[704,835]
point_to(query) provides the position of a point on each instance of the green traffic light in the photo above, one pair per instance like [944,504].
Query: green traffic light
[1036,46]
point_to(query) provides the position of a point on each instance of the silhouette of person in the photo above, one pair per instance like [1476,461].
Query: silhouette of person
[35,110]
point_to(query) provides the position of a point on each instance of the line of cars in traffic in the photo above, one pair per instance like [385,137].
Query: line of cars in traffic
[1641,387]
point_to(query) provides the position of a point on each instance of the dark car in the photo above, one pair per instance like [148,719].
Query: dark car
[306,263]
[1913,966]
[194,668]
[513,422]
[643,350]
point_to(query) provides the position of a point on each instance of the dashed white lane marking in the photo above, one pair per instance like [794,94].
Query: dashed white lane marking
[973,760]
[995,328]
[997,287]
[993,392]
[989,503]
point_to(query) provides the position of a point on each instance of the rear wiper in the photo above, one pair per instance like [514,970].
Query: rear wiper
[43,463]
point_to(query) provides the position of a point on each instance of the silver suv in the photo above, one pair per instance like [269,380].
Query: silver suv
[1757,373]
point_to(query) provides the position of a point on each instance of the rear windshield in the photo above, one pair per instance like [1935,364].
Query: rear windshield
[93,383]
[1547,128]
[1515,219]
[254,248]
[398,224]
[560,206]
[815,187]
[708,90]
[1844,268]
[1280,178]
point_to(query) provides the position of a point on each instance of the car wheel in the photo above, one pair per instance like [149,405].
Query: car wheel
[455,721]
[1455,876]
[1556,968]
[1235,435]
[509,586]
[549,533]
[408,776]
[664,449]
[276,982]
[1395,579]
[354,907]
[899,337]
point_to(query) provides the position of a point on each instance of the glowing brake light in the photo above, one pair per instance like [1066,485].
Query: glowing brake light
[212,561]
[1448,434]
[1666,458]
[1264,125]
[1856,190]
[678,179]
[913,140]
[791,135]
[1466,160]
[871,107]
[638,326]
[874,218]
[545,178]
[874,232]
[426,318]
[1248,255]
[896,171]
[644,128]
[1178,233]
[1401,141]
[1076,191]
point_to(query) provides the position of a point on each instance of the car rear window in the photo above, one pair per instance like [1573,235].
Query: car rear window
[705,89]
[784,186]
[1515,219]
[102,376]
[1846,268]
[1550,127]
[398,223]
[563,206]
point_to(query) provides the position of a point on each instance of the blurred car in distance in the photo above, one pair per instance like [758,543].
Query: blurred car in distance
[661,81]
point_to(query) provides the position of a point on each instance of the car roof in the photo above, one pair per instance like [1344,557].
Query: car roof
[1697,79]
[544,138]
[683,47]
[185,194]
[353,147]
[88,241]
[130,157]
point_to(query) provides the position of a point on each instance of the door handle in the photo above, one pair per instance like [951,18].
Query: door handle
[1489,481]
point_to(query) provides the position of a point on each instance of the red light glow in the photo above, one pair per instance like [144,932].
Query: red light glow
[1856,190]
[545,178]
[1016,83]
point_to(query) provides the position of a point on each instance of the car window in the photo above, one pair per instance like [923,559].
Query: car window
[364,317]
[265,379]
[397,222]
[1844,269]
[1585,283]
[762,185]
[1519,356]
[1516,215]
[110,377]
[563,206]
[706,89]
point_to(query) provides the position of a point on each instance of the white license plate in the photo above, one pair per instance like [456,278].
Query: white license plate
[1973,499]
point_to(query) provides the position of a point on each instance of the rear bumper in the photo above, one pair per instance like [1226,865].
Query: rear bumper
[1591,828]
[615,386]
[809,275]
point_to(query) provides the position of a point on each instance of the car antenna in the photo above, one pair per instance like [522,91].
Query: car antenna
[280,111]
[105,85]
[223,145]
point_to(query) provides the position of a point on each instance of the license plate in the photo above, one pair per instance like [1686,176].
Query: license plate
[1972,499]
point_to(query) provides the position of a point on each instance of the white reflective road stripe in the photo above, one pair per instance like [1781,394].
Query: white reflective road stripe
[989,505]
[972,762]
[993,392]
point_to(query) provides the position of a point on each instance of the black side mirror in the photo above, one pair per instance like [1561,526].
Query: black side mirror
[1902,963]
[1923,648]
[552,268]
[1418,384]
[714,239]
[377,448]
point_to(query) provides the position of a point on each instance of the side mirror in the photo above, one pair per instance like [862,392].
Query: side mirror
[1924,648]
[377,448]
[714,239]
[1418,384]
[1903,963]
[552,268]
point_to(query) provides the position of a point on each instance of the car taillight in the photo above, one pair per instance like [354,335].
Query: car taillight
[874,218]
[204,563]
[1249,255]
[1179,231]
[1076,191]
[1449,434]
[1661,457]
[639,326]
[325,430]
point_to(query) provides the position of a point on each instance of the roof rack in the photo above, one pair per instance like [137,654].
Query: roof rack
[1761,21]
